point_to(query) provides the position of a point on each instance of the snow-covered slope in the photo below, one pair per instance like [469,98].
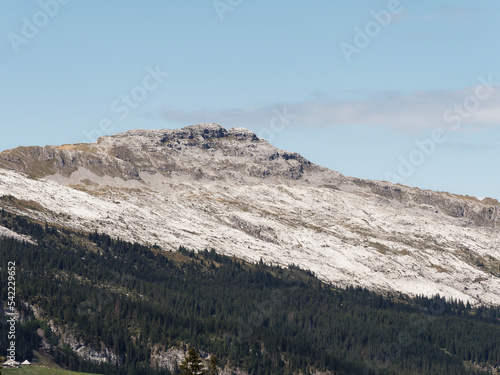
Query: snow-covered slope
[204,186]
[5,232]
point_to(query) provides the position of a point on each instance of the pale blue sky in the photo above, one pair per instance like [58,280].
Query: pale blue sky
[279,68]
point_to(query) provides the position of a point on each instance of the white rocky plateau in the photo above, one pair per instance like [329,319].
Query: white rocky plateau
[207,187]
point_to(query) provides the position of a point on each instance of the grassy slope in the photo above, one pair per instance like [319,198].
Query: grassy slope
[49,367]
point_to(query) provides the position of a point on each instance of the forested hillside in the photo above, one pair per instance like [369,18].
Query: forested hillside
[137,301]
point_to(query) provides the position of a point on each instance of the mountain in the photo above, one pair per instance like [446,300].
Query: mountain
[96,304]
[203,186]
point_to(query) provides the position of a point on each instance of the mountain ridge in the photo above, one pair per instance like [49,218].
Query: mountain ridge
[205,186]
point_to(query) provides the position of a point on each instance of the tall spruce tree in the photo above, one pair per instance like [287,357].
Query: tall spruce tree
[212,366]
[192,364]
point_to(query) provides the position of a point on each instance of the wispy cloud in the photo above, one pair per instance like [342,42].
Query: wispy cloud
[420,35]
[446,12]
[406,112]
[469,146]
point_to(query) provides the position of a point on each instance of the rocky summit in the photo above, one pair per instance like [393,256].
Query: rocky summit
[204,186]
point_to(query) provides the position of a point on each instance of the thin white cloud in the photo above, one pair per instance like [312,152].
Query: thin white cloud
[469,146]
[420,35]
[446,12]
[401,111]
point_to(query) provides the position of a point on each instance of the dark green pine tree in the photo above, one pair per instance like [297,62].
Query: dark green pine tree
[212,366]
[192,364]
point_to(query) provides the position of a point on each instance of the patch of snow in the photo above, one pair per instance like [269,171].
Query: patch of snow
[5,232]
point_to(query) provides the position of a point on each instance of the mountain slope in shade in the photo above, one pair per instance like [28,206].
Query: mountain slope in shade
[204,186]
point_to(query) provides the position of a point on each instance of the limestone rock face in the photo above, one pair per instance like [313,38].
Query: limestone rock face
[205,186]
[216,152]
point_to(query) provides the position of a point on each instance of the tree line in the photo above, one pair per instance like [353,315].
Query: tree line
[262,319]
